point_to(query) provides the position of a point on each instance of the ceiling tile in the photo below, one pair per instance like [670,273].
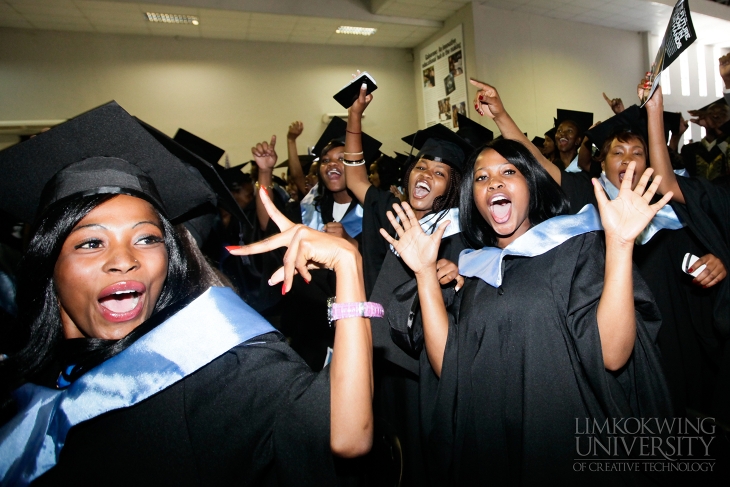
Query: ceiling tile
[86,5]
[167,9]
[18,23]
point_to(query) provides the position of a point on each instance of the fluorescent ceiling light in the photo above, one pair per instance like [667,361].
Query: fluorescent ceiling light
[358,31]
[172,18]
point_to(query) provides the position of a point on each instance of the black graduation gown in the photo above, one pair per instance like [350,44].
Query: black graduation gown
[522,362]
[396,403]
[694,347]
[304,307]
[707,214]
[374,247]
[577,186]
[254,416]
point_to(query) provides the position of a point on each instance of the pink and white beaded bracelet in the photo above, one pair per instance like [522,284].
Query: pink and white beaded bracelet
[338,311]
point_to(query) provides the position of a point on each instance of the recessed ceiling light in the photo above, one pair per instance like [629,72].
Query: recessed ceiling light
[172,18]
[358,31]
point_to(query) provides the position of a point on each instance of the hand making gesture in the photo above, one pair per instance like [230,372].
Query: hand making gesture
[487,101]
[417,249]
[625,217]
[264,154]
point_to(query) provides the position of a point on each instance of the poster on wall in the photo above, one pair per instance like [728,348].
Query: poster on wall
[444,79]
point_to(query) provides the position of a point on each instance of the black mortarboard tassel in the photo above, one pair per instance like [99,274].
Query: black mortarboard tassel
[101,151]
[439,143]
[336,130]
[201,147]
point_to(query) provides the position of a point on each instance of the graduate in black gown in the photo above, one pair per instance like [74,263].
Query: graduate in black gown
[135,370]
[693,308]
[432,180]
[705,209]
[329,207]
[551,325]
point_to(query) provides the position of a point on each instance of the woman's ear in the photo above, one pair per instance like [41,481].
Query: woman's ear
[603,166]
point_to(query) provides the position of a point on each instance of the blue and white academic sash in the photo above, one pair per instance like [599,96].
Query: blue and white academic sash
[430,223]
[205,329]
[486,263]
[351,222]
[665,218]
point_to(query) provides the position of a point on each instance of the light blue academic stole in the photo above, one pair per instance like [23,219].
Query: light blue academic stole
[311,217]
[486,263]
[665,218]
[209,326]
[430,223]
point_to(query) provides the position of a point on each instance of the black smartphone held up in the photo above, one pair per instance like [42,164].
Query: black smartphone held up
[347,95]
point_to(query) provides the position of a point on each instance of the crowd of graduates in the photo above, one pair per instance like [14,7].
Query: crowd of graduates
[446,315]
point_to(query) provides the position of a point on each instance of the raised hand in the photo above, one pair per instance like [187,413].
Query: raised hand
[725,69]
[644,87]
[615,103]
[295,130]
[417,249]
[487,101]
[626,216]
[363,100]
[264,154]
[307,248]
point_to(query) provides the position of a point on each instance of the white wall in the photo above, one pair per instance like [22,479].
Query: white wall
[231,93]
[539,64]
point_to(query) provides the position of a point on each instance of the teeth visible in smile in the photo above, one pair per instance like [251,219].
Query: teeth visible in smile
[333,171]
[421,184]
[500,200]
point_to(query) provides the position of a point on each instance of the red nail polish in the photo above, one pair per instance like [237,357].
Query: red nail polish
[690,270]
[283,289]
[306,280]
[266,191]
[233,247]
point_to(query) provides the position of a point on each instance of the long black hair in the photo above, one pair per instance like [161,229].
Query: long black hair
[450,199]
[38,310]
[547,199]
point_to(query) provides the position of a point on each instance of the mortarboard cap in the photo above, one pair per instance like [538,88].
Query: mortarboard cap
[101,151]
[209,173]
[705,108]
[439,143]
[551,133]
[633,119]
[583,120]
[477,135]
[630,120]
[201,147]
[336,130]
[538,142]
[232,176]
[305,160]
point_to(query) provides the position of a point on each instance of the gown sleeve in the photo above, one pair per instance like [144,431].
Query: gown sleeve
[374,247]
[639,388]
[707,214]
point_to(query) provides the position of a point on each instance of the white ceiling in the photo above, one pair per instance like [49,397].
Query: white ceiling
[400,23]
